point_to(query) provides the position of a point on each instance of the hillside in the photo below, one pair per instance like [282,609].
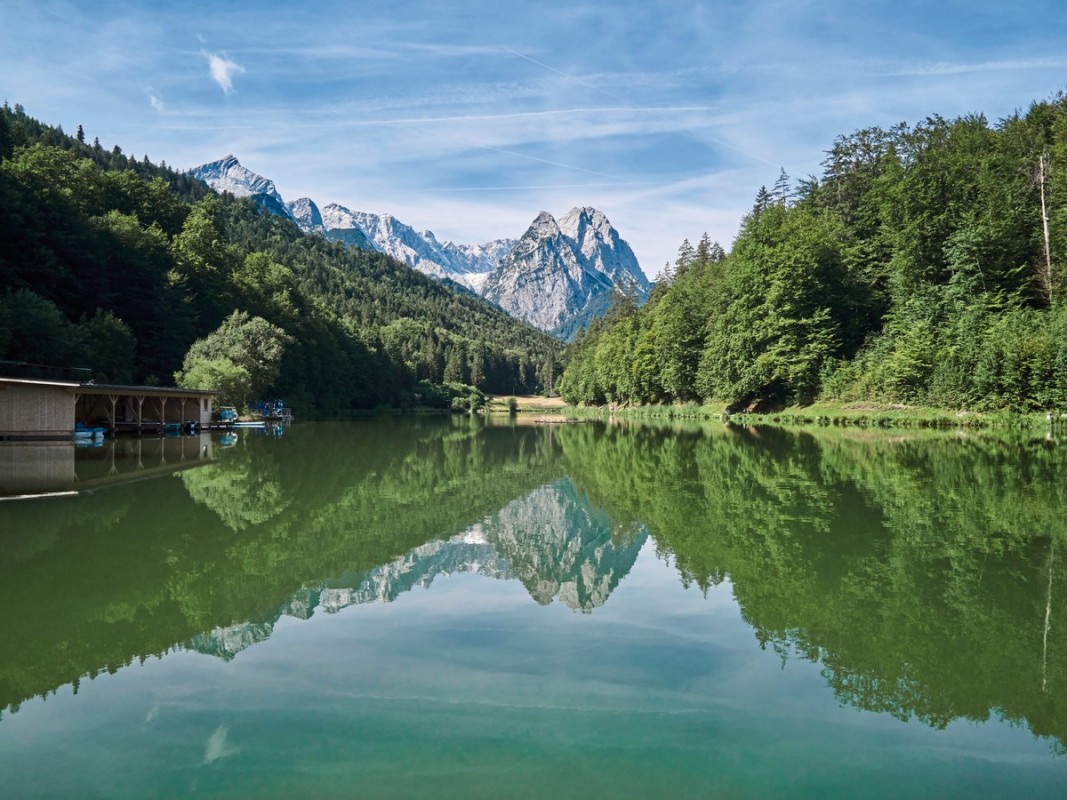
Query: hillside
[926,265]
[120,265]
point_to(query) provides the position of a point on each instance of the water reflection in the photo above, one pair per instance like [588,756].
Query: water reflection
[552,540]
[924,574]
[93,582]
[29,469]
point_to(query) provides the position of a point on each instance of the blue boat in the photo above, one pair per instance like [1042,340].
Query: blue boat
[227,414]
[83,431]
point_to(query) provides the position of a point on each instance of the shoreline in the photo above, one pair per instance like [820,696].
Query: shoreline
[827,414]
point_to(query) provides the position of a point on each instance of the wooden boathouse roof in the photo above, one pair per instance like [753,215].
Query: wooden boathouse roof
[46,403]
[92,387]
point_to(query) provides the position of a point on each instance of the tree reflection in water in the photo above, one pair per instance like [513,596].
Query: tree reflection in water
[923,572]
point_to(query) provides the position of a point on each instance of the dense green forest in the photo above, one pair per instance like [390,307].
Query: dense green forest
[141,273]
[924,266]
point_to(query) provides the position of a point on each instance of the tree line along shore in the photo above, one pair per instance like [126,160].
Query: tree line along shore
[921,269]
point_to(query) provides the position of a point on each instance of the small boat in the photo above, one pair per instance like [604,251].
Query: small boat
[227,414]
[83,431]
[190,426]
[259,424]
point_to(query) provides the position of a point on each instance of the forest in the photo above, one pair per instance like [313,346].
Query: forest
[144,275]
[924,266]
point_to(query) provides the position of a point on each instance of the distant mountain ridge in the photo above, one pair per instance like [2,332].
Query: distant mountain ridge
[463,263]
[558,276]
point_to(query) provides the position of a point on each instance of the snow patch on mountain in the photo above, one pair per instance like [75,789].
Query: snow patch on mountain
[465,264]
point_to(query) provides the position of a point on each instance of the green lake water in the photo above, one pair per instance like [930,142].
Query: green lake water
[449,607]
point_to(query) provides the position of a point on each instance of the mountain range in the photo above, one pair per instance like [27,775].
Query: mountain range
[557,276]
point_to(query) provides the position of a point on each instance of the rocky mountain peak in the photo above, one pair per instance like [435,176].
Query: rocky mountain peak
[306,214]
[228,175]
[560,275]
[557,276]
[544,224]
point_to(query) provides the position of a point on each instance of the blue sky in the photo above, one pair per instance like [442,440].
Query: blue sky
[468,118]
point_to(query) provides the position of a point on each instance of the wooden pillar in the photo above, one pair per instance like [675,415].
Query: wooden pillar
[114,399]
[162,411]
[140,416]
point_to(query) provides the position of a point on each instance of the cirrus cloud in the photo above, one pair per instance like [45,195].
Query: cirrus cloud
[222,70]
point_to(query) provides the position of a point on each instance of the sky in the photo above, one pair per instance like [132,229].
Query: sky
[468,118]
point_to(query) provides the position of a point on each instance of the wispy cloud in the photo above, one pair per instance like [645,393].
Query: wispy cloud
[549,162]
[222,70]
[156,100]
[569,77]
[942,68]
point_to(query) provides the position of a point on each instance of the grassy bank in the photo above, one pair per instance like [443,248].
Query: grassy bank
[861,415]
[524,404]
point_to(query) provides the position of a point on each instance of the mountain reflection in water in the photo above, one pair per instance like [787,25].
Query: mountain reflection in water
[924,573]
[551,540]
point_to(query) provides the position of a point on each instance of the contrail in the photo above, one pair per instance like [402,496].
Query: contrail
[462,189]
[551,163]
[586,84]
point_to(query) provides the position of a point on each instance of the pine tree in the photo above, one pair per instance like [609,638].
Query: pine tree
[686,254]
[781,194]
[7,145]
[763,201]
[703,253]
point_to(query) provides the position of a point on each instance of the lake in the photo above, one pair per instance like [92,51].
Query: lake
[457,607]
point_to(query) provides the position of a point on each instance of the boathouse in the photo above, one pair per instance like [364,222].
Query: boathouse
[36,408]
